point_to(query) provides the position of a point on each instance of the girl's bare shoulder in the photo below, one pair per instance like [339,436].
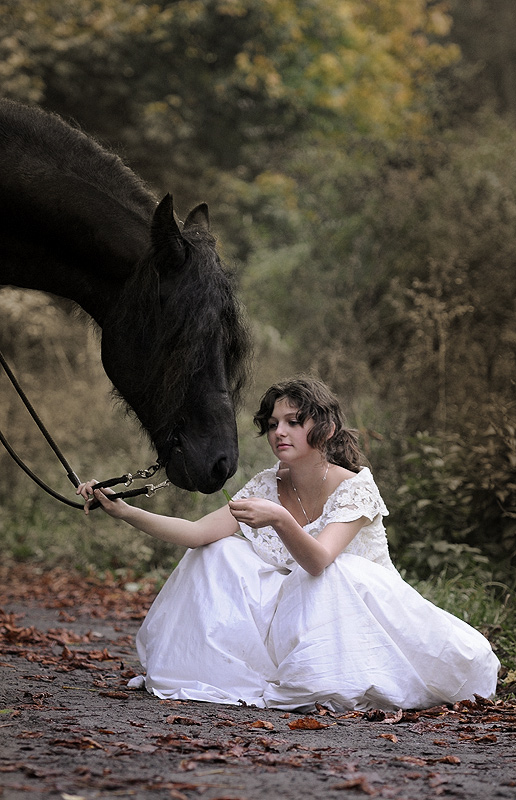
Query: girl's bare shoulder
[337,475]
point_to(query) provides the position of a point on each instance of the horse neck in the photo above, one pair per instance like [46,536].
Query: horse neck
[82,244]
[74,220]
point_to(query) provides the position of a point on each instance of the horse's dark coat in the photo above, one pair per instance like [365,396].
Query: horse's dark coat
[77,222]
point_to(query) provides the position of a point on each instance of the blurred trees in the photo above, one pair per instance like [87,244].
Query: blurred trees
[199,84]
[484,30]
[358,160]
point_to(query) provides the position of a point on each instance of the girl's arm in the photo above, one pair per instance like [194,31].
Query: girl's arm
[314,555]
[216,525]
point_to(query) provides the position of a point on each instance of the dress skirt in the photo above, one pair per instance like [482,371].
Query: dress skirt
[228,627]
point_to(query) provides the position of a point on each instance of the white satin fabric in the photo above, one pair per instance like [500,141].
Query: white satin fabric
[228,626]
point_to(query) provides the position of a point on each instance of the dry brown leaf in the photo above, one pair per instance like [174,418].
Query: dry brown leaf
[138,748]
[390,736]
[262,723]
[306,724]
[392,719]
[447,760]
[177,719]
[375,715]
[420,762]
[85,743]
[486,737]
[360,783]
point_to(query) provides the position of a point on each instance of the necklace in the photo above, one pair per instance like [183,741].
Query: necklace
[311,518]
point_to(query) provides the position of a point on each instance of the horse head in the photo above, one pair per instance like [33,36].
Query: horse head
[175,347]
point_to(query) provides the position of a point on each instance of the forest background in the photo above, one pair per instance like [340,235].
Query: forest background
[358,157]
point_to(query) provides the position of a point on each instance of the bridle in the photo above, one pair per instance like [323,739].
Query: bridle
[127,479]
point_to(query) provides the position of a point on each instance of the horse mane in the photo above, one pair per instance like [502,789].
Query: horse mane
[69,204]
[47,143]
[201,306]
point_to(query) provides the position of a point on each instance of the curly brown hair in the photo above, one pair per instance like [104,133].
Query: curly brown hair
[313,399]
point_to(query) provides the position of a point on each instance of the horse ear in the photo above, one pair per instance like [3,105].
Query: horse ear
[198,216]
[165,233]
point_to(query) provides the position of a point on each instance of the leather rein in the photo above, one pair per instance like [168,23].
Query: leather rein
[127,479]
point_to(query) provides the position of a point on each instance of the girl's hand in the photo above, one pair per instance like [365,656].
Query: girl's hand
[256,512]
[115,508]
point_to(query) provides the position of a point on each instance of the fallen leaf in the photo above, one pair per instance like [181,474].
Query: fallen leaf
[486,737]
[85,743]
[377,715]
[138,748]
[420,762]
[360,783]
[306,724]
[390,736]
[392,719]
[177,719]
[447,760]
[261,723]
[374,715]
[192,763]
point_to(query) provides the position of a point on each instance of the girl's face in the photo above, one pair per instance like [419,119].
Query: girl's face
[287,437]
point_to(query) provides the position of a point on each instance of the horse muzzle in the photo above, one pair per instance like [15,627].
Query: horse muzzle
[195,470]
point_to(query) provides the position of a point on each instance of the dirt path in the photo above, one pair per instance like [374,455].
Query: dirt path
[70,728]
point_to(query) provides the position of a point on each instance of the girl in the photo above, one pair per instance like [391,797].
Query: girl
[287,596]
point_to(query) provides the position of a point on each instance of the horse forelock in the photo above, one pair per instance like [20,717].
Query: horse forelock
[179,317]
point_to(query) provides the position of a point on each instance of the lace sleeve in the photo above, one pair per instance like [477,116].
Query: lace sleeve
[355,498]
[265,541]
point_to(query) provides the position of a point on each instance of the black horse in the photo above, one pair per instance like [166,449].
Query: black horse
[75,221]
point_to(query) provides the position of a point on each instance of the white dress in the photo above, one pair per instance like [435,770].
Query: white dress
[240,620]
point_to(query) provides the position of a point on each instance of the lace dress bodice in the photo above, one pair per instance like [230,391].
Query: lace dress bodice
[353,498]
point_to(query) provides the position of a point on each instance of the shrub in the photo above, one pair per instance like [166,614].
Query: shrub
[456,504]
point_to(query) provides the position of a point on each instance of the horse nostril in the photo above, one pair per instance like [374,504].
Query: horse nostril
[220,469]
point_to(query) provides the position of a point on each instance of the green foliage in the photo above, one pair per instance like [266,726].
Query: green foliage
[200,84]
[486,76]
[445,322]
[455,507]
